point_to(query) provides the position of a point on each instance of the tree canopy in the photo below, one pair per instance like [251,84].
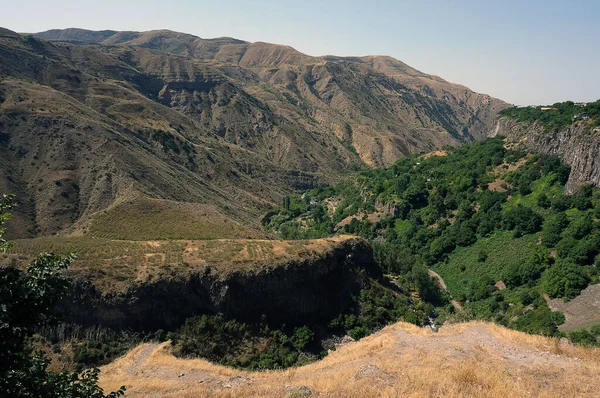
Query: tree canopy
[27,301]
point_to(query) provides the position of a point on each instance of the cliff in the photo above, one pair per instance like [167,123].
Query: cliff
[577,145]
[296,291]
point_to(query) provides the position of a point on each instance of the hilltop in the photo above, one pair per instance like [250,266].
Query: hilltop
[471,359]
[99,122]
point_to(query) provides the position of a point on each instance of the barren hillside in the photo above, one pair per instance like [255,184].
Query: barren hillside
[90,120]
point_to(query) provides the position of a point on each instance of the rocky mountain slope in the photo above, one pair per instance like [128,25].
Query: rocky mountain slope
[577,144]
[470,359]
[90,121]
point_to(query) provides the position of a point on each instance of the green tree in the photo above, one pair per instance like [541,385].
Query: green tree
[419,278]
[27,299]
[302,337]
[518,274]
[540,321]
[580,227]
[553,228]
[522,220]
[565,279]
[319,214]
[543,201]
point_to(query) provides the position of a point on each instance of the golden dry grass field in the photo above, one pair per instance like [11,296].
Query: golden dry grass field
[473,359]
[113,265]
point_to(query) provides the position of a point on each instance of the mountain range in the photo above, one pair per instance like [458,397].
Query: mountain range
[109,128]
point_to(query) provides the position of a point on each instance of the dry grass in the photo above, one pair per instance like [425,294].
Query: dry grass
[113,265]
[155,219]
[440,153]
[473,359]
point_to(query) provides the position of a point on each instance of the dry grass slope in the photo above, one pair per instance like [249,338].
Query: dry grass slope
[113,265]
[154,219]
[472,359]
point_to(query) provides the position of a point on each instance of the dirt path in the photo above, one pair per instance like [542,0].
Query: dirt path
[454,303]
[473,359]
[144,355]
[141,356]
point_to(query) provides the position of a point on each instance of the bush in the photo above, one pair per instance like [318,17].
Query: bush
[582,337]
[540,321]
[522,220]
[565,279]
[302,337]
[553,228]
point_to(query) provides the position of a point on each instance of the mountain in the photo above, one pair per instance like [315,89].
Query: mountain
[97,124]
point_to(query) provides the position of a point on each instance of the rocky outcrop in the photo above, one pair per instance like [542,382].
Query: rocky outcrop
[577,145]
[298,292]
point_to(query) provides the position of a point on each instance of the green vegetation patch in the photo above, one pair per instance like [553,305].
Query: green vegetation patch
[493,222]
[484,261]
[557,116]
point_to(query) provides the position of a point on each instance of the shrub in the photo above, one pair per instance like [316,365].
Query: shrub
[522,220]
[565,279]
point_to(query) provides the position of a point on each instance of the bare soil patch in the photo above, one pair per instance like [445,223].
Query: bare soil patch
[582,311]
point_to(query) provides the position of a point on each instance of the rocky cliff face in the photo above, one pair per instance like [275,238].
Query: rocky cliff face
[297,292]
[577,145]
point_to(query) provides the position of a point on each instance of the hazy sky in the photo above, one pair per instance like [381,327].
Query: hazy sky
[524,52]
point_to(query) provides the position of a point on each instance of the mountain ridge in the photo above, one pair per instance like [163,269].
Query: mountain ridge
[206,121]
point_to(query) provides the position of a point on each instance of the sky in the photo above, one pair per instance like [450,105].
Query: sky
[525,52]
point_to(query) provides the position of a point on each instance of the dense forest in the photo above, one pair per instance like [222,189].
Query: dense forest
[493,222]
[556,116]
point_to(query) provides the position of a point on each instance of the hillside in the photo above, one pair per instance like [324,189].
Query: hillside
[493,222]
[134,285]
[472,359]
[564,129]
[93,120]
[251,304]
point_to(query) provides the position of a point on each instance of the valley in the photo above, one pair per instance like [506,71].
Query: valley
[228,218]
[90,123]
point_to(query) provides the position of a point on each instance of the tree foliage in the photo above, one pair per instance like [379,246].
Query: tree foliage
[27,299]
[481,198]
[556,116]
